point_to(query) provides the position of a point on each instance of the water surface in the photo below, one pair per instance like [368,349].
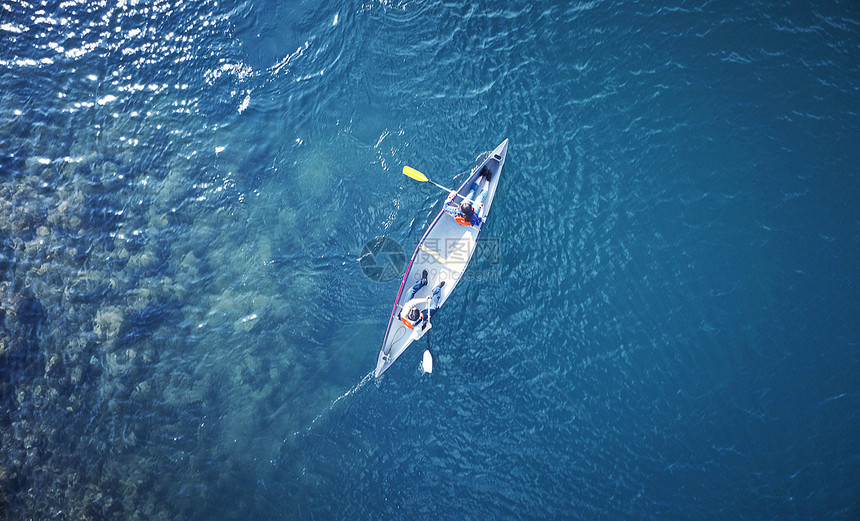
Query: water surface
[666,328]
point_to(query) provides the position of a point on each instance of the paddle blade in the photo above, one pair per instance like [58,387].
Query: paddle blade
[427,362]
[414,174]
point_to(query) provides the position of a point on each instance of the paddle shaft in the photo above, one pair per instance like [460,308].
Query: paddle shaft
[418,176]
[458,194]
[440,186]
[429,354]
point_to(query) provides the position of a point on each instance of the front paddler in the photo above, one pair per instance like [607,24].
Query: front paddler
[464,213]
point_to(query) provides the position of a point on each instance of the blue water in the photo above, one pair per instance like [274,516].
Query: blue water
[666,326]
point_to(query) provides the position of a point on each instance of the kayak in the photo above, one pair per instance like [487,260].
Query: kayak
[444,251]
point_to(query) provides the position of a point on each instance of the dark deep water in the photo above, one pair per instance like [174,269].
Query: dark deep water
[667,326]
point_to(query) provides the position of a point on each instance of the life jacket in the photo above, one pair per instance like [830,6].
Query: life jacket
[407,322]
[460,218]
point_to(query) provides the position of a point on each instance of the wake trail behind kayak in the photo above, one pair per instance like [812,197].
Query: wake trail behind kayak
[368,377]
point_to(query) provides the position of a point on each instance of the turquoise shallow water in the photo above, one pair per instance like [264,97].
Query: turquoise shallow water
[664,325]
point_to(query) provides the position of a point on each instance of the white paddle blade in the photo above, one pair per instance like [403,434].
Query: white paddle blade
[427,362]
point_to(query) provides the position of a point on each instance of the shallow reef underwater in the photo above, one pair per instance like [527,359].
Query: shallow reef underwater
[157,330]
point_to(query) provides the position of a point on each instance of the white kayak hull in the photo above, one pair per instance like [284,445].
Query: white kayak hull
[444,251]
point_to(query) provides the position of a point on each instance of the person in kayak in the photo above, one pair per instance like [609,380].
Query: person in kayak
[420,310]
[464,213]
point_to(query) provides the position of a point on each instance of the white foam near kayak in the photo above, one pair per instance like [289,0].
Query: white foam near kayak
[444,251]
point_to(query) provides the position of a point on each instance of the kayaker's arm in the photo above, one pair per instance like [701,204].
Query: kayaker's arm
[419,331]
[451,209]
